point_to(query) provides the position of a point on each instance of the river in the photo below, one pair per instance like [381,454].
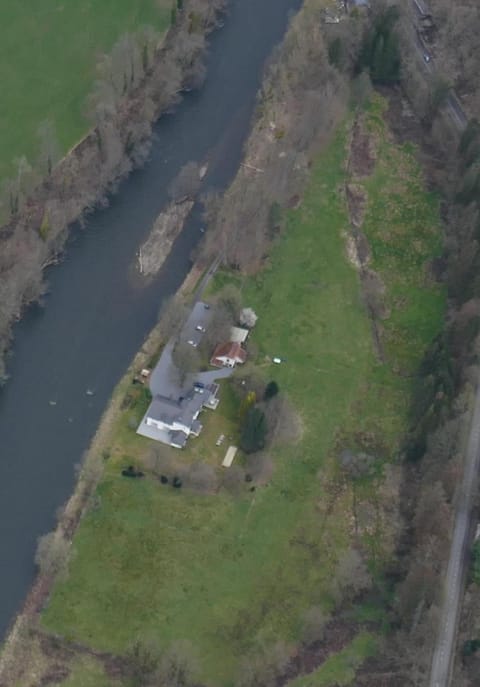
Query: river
[95,316]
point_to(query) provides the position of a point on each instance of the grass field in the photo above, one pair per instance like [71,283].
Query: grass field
[231,574]
[48,52]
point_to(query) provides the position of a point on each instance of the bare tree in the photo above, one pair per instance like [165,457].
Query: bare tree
[17,189]
[186,360]
[433,514]
[49,147]
[187,182]
[218,330]
[173,314]
[265,667]
[90,470]
[211,201]
[315,622]
[231,299]
[178,667]
[143,658]
[351,577]
[51,556]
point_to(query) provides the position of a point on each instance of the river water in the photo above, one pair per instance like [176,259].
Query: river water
[96,316]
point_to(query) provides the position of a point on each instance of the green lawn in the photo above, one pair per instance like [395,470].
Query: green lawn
[48,51]
[232,573]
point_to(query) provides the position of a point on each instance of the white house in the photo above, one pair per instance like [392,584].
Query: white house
[176,420]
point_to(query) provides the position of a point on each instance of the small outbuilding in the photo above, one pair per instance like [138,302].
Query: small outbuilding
[239,335]
[229,456]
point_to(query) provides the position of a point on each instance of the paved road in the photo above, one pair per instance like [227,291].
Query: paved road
[452,104]
[444,651]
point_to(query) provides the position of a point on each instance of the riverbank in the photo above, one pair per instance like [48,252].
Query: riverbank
[37,228]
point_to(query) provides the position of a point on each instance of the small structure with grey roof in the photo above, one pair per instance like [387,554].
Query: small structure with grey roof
[239,335]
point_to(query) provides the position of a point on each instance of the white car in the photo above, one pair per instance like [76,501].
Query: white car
[199,328]
[192,343]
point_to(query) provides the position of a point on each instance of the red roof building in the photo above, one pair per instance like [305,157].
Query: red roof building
[228,355]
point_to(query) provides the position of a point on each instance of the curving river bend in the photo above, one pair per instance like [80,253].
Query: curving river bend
[96,317]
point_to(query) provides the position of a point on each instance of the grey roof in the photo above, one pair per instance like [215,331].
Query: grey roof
[169,411]
[178,438]
[196,426]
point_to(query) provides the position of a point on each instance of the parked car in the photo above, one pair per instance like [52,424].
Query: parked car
[199,328]
[199,387]
[192,343]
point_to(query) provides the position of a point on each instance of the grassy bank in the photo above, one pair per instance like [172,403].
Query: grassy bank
[48,52]
[231,574]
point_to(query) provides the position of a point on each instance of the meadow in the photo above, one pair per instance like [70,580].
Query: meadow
[48,53]
[232,574]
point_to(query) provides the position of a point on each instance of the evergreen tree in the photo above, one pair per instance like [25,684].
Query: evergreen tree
[254,431]
[380,52]
[271,390]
